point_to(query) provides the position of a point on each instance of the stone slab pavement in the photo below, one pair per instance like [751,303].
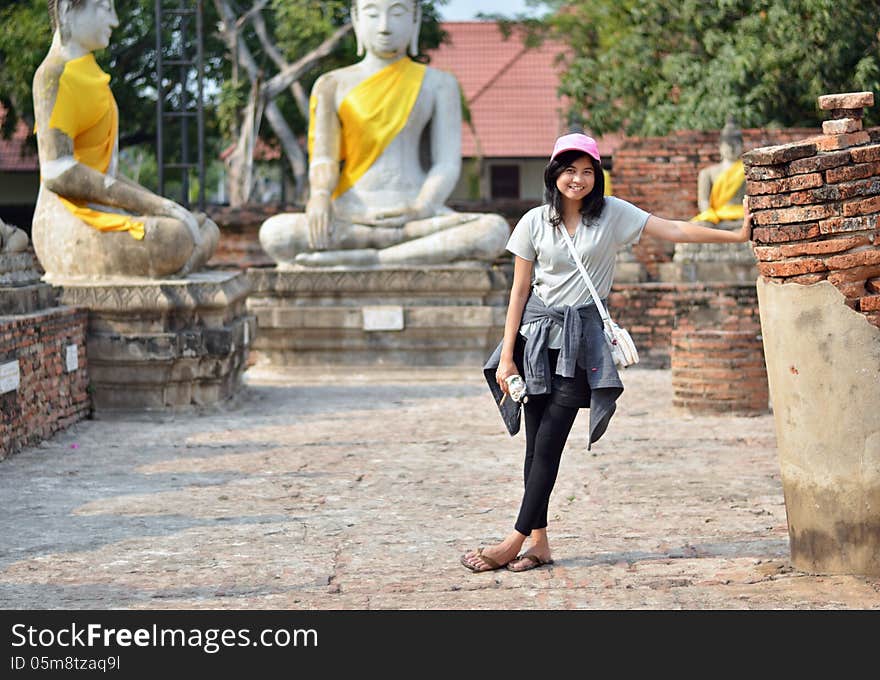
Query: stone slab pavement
[341,489]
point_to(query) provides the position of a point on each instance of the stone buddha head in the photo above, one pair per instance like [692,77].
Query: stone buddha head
[387,28]
[731,144]
[86,23]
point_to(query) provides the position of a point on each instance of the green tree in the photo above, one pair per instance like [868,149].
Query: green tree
[647,67]
[24,42]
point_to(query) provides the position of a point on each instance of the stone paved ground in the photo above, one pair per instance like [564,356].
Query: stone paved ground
[321,489]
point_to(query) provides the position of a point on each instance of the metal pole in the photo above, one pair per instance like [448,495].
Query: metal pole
[201,103]
[183,105]
[160,95]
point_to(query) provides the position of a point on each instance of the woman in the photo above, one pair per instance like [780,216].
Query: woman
[553,332]
[88,220]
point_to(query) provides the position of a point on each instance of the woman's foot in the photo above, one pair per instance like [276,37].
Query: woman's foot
[537,554]
[493,556]
[529,560]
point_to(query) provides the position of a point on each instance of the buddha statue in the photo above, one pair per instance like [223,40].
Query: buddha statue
[12,239]
[90,221]
[720,191]
[721,187]
[371,201]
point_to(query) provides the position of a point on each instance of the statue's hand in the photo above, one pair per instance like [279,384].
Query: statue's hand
[398,216]
[318,213]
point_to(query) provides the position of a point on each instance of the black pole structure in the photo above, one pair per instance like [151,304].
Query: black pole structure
[160,101]
[181,46]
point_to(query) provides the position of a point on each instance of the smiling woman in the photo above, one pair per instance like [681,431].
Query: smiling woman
[554,334]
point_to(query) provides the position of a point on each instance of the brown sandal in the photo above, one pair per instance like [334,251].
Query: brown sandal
[534,562]
[492,564]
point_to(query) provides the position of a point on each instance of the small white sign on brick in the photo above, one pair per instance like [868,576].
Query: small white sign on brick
[247,334]
[10,377]
[384,318]
[71,358]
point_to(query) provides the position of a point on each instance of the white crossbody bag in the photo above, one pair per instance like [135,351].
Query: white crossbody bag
[623,349]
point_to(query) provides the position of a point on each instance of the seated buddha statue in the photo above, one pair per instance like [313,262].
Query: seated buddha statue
[721,187]
[371,200]
[90,221]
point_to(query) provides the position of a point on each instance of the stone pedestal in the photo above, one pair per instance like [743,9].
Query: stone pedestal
[449,315]
[21,291]
[156,345]
[721,262]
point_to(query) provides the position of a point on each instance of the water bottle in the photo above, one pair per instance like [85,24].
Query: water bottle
[516,387]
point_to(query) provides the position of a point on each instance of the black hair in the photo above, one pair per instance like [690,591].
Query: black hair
[593,202]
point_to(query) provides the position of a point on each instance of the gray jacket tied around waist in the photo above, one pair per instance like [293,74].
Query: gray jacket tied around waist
[583,344]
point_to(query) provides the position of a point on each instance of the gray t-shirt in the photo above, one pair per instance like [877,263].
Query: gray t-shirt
[556,279]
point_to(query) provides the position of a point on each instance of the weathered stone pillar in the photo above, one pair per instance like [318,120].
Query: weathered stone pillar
[816,205]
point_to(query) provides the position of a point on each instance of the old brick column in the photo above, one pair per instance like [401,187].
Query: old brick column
[718,372]
[716,355]
[816,205]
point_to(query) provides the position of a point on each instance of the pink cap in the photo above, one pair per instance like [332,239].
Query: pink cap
[576,142]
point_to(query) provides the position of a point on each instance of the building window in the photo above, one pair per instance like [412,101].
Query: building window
[504,180]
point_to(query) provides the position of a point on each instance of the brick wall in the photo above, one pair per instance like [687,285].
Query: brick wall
[660,174]
[48,398]
[816,206]
[651,311]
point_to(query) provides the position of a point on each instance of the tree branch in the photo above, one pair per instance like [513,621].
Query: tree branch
[256,9]
[273,87]
[296,89]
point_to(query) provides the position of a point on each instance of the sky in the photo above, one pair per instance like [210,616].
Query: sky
[465,10]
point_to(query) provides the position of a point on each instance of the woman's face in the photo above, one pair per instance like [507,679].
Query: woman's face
[91,24]
[386,26]
[577,180]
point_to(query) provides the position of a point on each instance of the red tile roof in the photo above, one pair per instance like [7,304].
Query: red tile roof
[511,90]
[14,155]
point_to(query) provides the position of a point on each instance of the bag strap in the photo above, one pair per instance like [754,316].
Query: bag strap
[583,270]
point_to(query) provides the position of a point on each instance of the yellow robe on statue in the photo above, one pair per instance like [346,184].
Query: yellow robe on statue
[372,115]
[725,188]
[85,111]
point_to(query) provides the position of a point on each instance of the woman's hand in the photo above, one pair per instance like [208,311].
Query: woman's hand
[506,368]
[745,233]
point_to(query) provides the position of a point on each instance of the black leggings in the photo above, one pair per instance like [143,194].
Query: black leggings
[547,427]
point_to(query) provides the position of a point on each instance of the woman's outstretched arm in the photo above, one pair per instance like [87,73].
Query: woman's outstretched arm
[679,231]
